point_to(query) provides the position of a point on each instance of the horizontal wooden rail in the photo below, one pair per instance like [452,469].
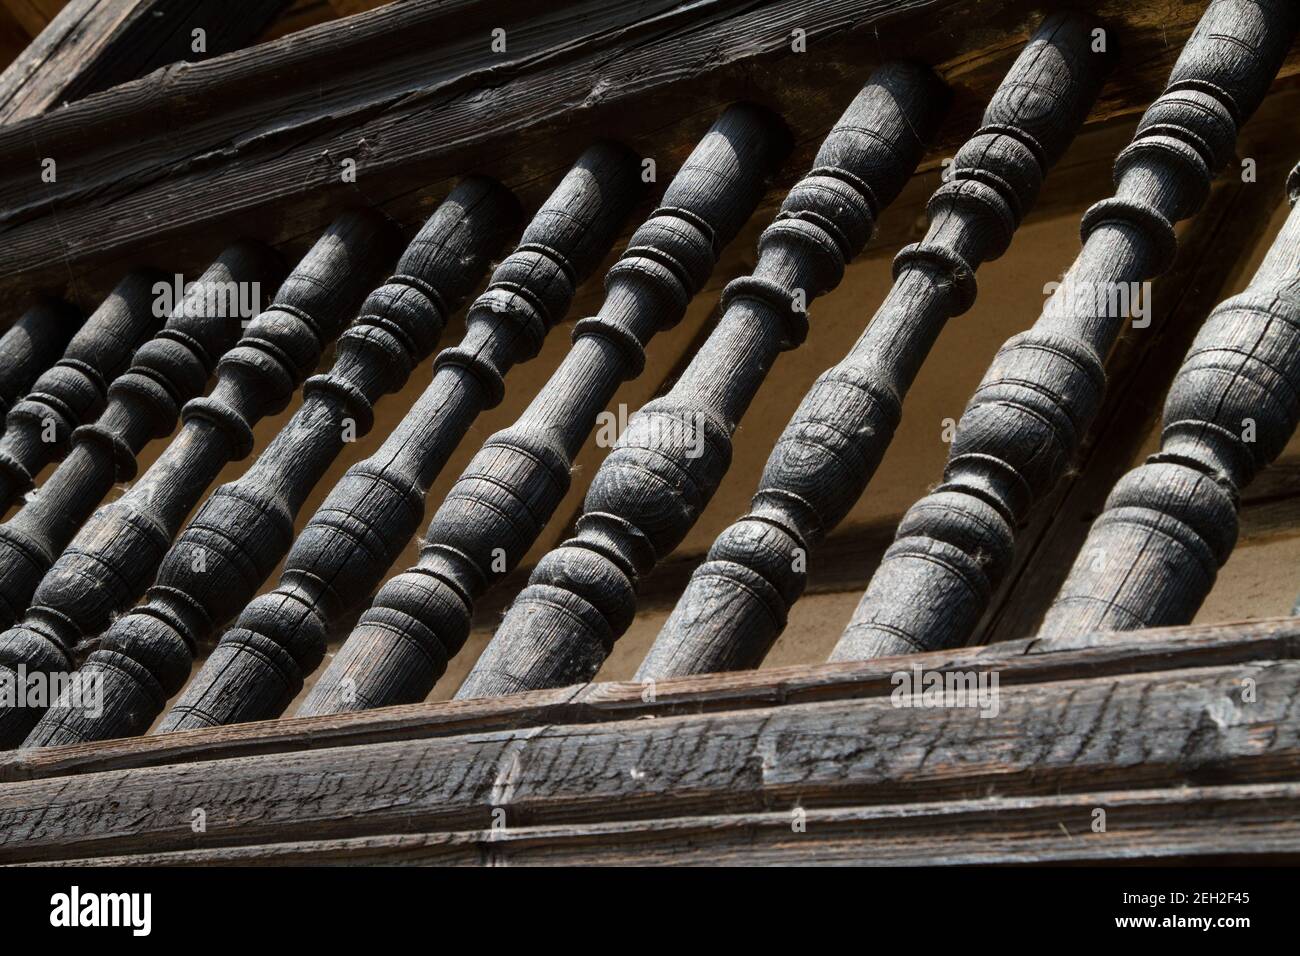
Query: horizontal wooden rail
[1125,722]
[168,165]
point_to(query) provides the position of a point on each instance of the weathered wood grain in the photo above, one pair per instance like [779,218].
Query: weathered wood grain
[1170,524]
[675,451]
[1243,825]
[74,391]
[244,528]
[737,601]
[1029,661]
[94,44]
[31,345]
[113,558]
[1022,428]
[251,142]
[511,488]
[1139,371]
[1230,725]
[348,546]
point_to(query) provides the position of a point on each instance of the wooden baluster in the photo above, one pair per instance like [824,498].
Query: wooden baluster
[343,553]
[31,345]
[244,529]
[75,389]
[143,403]
[113,558]
[735,605]
[1023,426]
[1152,555]
[668,463]
[511,488]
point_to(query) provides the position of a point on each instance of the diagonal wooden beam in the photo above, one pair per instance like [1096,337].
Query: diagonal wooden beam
[169,165]
[91,45]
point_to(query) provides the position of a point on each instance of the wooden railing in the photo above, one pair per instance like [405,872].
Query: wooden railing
[1060,720]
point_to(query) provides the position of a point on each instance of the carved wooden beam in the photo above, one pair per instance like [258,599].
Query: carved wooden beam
[512,487]
[1024,424]
[32,345]
[736,603]
[673,455]
[38,429]
[244,529]
[1169,525]
[143,403]
[114,556]
[343,553]
[94,44]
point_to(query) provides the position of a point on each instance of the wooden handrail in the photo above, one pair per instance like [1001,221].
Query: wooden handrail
[1115,721]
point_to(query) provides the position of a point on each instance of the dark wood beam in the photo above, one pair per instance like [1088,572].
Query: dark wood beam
[92,45]
[1086,715]
[169,167]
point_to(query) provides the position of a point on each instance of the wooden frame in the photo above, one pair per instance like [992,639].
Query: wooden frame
[1185,737]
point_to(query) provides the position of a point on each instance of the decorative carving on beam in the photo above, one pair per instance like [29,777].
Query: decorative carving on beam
[673,455]
[38,429]
[32,345]
[343,553]
[143,403]
[1169,525]
[511,488]
[1023,426]
[113,558]
[736,603]
[245,527]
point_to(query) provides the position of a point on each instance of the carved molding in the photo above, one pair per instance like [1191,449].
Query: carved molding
[343,553]
[736,603]
[113,557]
[1169,525]
[511,488]
[673,455]
[1022,429]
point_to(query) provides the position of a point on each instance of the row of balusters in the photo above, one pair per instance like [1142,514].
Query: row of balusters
[72,571]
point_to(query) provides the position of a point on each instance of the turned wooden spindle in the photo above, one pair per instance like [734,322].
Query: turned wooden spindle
[113,557]
[737,601]
[1152,555]
[1022,428]
[32,345]
[144,402]
[74,391]
[343,553]
[511,488]
[244,528]
[668,463]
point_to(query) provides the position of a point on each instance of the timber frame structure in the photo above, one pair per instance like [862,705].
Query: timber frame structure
[339,544]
